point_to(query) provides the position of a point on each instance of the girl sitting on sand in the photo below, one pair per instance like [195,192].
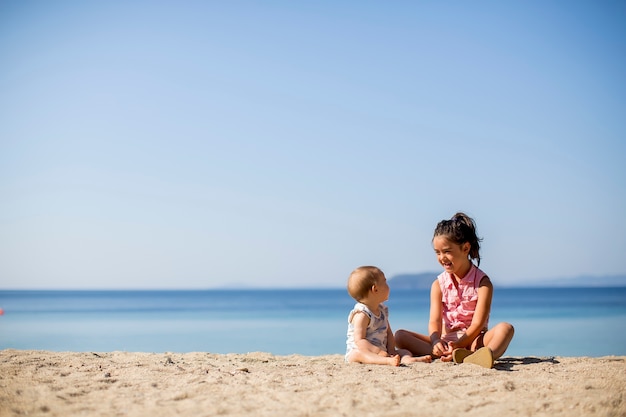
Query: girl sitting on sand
[460,302]
[370,339]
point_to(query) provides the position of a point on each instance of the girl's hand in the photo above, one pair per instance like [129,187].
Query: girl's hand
[440,348]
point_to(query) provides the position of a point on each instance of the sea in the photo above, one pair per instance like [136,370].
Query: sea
[548,321]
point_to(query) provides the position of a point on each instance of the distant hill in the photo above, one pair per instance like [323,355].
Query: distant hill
[425,279]
[421,281]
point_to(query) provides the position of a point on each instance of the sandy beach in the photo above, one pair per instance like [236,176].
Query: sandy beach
[42,383]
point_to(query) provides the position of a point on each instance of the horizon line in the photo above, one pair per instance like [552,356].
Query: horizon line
[283,288]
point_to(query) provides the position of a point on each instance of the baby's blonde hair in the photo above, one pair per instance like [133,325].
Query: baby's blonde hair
[362,280]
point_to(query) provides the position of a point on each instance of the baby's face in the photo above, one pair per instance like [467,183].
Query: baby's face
[383,287]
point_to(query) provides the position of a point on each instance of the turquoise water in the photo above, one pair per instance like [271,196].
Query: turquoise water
[548,321]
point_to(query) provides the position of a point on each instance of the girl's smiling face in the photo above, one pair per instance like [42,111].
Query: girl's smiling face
[452,256]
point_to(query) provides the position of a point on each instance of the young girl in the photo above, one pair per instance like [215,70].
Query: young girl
[460,302]
[370,339]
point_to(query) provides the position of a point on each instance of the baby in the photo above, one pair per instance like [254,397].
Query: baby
[370,338]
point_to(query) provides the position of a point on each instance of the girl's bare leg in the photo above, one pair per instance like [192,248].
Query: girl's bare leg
[407,357]
[498,338]
[417,344]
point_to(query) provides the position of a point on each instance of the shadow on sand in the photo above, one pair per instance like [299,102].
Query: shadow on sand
[507,363]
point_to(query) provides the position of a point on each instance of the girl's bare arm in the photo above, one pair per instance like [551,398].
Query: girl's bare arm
[434,323]
[481,314]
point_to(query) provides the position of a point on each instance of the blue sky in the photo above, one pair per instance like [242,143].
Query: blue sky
[206,144]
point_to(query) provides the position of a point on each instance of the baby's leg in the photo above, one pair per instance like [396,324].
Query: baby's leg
[372,358]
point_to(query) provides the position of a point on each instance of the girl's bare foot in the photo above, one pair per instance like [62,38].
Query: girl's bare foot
[413,359]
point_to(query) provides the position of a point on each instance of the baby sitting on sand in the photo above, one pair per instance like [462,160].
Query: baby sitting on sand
[370,339]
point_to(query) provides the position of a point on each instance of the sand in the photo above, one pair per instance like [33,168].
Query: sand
[42,383]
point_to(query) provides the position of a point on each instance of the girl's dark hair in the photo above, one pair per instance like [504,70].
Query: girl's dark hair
[460,229]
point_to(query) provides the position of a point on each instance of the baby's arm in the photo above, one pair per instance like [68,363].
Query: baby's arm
[360,322]
[391,341]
